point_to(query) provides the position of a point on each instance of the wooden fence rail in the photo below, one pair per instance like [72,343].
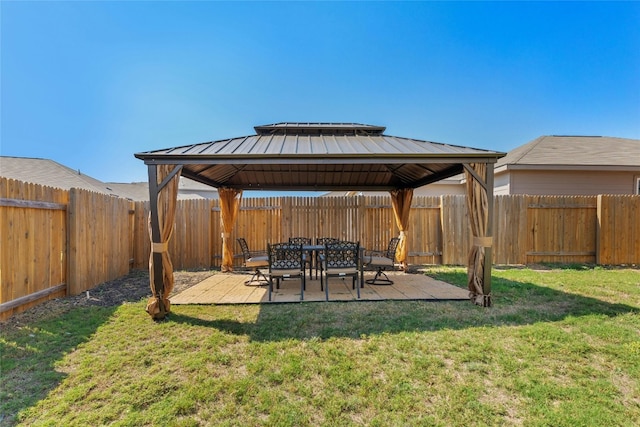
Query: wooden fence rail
[56,242]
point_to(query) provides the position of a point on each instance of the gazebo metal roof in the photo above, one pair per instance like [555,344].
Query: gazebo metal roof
[319,156]
[316,156]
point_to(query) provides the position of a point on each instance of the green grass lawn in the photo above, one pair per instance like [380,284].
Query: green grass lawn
[560,347]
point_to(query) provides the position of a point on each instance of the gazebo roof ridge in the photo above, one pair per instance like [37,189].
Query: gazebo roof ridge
[326,128]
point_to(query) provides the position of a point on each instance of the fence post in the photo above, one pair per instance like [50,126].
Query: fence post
[286,217]
[599,235]
[132,233]
[72,242]
[361,207]
[444,230]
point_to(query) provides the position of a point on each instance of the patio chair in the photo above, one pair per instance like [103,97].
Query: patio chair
[341,259]
[306,255]
[382,260]
[319,255]
[285,262]
[255,260]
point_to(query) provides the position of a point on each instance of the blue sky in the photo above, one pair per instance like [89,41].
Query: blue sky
[88,84]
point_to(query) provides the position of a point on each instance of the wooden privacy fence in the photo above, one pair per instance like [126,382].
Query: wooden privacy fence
[33,254]
[98,239]
[56,242]
[528,229]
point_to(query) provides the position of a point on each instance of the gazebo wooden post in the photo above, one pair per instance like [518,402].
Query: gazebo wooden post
[480,206]
[161,225]
[488,251]
[230,199]
[154,190]
[401,203]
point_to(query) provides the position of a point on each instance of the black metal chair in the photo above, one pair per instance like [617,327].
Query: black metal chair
[382,260]
[255,260]
[285,262]
[341,259]
[319,255]
[306,255]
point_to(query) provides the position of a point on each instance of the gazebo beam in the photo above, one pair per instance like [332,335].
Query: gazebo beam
[453,171]
[169,177]
[476,176]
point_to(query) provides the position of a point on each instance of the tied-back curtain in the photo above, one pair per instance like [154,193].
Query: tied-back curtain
[159,305]
[230,199]
[477,205]
[401,202]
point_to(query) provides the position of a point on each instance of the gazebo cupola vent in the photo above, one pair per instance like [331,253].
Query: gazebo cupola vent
[319,129]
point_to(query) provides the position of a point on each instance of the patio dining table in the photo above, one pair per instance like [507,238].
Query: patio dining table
[312,248]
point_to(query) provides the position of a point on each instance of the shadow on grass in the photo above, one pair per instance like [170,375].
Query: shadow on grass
[516,303]
[31,346]
[41,344]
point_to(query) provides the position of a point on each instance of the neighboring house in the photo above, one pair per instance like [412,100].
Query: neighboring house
[138,191]
[187,189]
[190,189]
[50,173]
[53,174]
[571,165]
[453,185]
[556,165]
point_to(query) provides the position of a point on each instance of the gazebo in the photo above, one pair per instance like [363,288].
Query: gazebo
[317,156]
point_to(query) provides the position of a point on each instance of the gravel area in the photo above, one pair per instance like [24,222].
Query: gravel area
[130,288]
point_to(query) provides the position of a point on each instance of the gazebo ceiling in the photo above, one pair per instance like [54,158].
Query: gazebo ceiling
[319,156]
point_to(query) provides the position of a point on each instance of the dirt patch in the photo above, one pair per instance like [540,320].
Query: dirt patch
[130,288]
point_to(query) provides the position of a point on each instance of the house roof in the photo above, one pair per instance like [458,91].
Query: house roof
[53,174]
[50,173]
[574,152]
[319,156]
[137,191]
[187,189]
